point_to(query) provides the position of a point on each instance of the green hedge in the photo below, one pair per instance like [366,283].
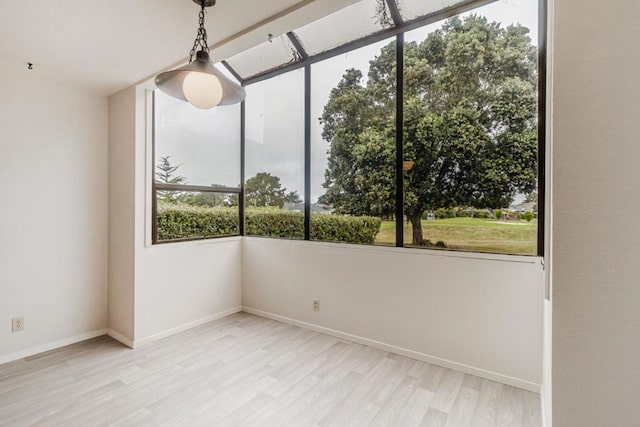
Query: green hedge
[180,221]
[343,228]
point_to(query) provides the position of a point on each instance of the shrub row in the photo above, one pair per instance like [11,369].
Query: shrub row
[443,213]
[180,221]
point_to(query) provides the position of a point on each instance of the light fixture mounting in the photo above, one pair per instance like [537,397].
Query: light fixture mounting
[207,3]
[199,82]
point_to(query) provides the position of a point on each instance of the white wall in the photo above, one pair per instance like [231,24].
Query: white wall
[182,284]
[53,215]
[481,314]
[122,125]
[157,289]
[596,287]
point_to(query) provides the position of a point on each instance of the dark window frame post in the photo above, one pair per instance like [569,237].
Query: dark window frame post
[307,152]
[241,201]
[542,123]
[400,140]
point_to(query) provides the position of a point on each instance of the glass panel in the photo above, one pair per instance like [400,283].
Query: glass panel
[192,215]
[471,131]
[275,156]
[196,147]
[412,9]
[348,24]
[266,56]
[353,146]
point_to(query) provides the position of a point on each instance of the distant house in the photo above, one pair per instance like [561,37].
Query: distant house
[524,207]
[315,207]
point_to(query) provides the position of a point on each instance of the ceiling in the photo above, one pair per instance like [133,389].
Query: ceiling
[105,46]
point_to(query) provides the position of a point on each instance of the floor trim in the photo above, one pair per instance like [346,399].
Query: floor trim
[120,337]
[11,357]
[482,373]
[184,327]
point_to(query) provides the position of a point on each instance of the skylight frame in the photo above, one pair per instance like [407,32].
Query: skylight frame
[398,28]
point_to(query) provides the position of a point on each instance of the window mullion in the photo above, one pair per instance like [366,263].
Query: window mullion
[307,152]
[399,140]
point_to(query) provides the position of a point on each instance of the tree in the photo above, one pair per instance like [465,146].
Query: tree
[323,200]
[264,189]
[469,124]
[292,197]
[166,175]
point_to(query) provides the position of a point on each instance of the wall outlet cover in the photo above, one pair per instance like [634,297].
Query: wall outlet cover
[17,324]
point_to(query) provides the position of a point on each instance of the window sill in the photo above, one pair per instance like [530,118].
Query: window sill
[196,242]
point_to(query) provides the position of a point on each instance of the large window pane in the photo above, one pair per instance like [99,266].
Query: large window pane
[191,215]
[353,146]
[196,147]
[351,23]
[470,131]
[274,185]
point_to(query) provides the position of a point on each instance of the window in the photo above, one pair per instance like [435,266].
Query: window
[274,162]
[470,131]
[197,170]
[352,160]
[379,124]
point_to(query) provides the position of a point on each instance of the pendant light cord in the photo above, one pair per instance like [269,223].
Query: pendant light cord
[200,43]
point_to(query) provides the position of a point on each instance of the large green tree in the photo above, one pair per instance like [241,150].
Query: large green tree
[264,189]
[469,124]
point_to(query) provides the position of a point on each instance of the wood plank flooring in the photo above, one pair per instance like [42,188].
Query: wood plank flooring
[244,370]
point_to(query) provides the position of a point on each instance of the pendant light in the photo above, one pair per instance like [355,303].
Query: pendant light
[199,82]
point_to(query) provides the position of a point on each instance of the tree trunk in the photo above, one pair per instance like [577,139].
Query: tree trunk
[416,225]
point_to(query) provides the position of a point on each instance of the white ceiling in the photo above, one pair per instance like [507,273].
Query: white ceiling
[106,46]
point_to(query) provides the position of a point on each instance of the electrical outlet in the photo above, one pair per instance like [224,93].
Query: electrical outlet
[17,324]
[316,305]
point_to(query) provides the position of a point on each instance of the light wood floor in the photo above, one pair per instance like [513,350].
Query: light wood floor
[246,370]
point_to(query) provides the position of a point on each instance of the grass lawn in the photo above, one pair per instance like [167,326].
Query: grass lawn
[472,234]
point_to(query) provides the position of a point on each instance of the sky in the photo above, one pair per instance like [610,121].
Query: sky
[206,144]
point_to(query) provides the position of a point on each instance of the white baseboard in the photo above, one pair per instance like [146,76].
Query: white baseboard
[120,337]
[184,327]
[50,346]
[482,373]
[115,335]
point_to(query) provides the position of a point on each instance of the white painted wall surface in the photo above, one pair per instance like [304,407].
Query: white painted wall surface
[122,213]
[158,289]
[596,233]
[53,214]
[184,283]
[468,309]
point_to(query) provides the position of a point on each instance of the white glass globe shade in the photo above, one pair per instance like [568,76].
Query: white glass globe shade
[202,90]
